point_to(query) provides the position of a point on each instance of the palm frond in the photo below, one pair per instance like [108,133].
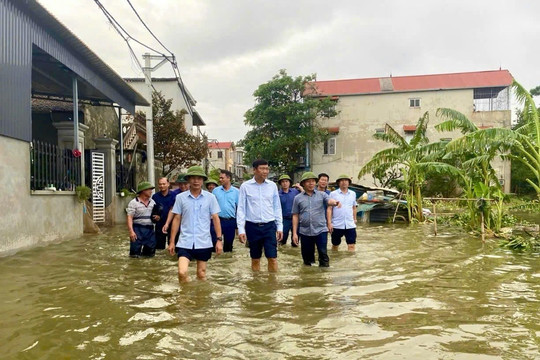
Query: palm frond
[419,136]
[453,120]
[391,136]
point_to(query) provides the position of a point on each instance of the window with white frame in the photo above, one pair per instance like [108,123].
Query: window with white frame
[220,154]
[330,146]
[414,102]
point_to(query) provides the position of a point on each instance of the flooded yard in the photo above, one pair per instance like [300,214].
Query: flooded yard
[404,294]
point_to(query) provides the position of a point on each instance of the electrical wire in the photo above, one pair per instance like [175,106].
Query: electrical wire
[126,36]
[147,28]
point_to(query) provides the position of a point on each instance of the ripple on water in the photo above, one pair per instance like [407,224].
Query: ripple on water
[132,337]
[154,303]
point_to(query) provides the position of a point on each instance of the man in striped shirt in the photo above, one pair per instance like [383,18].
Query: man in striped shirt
[139,222]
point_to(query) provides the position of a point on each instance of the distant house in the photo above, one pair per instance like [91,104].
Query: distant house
[240,169]
[366,105]
[44,152]
[170,89]
[221,155]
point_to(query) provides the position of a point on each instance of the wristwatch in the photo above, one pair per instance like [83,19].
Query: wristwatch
[219,238]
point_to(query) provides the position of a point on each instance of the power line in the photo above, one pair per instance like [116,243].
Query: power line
[126,36]
[119,29]
[172,61]
[147,28]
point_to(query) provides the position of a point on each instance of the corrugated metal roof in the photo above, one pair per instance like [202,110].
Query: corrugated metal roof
[465,80]
[63,35]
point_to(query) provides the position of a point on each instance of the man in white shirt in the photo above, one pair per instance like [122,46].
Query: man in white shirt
[259,216]
[343,218]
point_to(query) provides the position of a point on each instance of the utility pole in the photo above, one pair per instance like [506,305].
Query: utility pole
[147,70]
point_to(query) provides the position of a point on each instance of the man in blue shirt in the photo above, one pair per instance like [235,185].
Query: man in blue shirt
[165,199]
[194,209]
[259,216]
[322,183]
[286,197]
[227,198]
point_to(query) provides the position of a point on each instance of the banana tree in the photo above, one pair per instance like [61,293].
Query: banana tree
[485,144]
[413,159]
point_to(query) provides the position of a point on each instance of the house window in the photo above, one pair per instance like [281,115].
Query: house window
[220,154]
[414,103]
[380,131]
[491,99]
[446,139]
[330,146]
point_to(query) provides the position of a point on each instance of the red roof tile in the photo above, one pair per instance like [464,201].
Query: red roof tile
[466,80]
[220,145]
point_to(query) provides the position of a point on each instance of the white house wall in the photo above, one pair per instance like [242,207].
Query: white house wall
[361,115]
[170,90]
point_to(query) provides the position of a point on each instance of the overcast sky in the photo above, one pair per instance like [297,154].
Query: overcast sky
[227,48]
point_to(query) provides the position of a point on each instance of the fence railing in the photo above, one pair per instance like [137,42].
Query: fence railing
[51,166]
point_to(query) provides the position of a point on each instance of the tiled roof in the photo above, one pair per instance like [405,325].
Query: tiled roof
[467,80]
[220,145]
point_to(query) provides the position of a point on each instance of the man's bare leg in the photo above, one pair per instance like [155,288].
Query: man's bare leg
[256,264]
[183,265]
[272,265]
[335,248]
[350,247]
[201,270]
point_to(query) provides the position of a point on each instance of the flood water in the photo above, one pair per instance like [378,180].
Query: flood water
[404,294]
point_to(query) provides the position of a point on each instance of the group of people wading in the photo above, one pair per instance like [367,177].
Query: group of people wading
[191,222]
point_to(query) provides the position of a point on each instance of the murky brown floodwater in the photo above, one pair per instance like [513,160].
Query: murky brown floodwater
[403,295]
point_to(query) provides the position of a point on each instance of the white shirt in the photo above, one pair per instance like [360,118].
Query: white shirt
[258,203]
[342,217]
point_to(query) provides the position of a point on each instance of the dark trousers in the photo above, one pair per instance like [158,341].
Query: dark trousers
[228,231]
[145,245]
[307,247]
[287,228]
[162,240]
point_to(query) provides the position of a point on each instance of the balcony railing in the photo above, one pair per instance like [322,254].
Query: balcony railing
[52,167]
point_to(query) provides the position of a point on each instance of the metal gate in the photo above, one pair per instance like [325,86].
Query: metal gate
[98,187]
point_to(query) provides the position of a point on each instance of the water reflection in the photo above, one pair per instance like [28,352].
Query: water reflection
[403,294]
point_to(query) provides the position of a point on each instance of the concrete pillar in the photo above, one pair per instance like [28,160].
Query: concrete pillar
[108,147]
[65,139]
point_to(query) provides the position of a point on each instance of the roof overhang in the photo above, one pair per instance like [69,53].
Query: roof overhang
[52,76]
[197,119]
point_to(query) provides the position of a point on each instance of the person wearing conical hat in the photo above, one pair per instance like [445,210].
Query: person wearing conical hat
[140,222]
[194,210]
[343,219]
[286,197]
[310,221]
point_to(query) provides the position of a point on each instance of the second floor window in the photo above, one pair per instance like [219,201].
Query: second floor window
[414,103]
[330,146]
[220,154]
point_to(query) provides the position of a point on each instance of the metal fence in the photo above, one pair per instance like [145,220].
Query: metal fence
[53,167]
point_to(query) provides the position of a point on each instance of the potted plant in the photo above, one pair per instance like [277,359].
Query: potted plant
[83,193]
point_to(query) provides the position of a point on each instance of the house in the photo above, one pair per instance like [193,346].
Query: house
[170,88]
[59,127]
[366,105]
[220,156]
[240,170]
